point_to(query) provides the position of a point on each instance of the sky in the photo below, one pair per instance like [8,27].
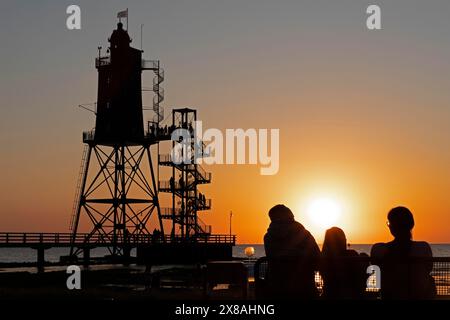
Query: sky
[363,114]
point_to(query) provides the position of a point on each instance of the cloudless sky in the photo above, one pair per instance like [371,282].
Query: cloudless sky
[363,115]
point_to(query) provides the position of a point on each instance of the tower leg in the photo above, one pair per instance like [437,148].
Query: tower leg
[155,197]
[115,202]
[118,200]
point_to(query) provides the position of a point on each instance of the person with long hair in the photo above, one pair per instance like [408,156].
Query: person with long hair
[405,264]
[343,271]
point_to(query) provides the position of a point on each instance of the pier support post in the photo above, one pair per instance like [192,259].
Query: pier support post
[126,255]
[40,258]
[86,256]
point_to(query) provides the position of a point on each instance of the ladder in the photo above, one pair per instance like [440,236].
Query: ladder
[159,94]
[76,202]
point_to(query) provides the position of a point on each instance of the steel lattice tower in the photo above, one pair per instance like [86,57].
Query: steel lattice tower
[117,188]
[184,181]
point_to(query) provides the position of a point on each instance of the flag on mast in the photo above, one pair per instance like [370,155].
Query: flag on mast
[122,14]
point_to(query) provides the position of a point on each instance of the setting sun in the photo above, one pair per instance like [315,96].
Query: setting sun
[324,212]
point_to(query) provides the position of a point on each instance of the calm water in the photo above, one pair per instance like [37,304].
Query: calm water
[8,255]
[439,250]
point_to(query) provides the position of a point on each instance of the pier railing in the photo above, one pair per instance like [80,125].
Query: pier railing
[37,238]
[440,271]
[27,239]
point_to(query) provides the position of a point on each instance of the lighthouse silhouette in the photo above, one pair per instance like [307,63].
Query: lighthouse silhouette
[117,187]
[117,191]
[119,104]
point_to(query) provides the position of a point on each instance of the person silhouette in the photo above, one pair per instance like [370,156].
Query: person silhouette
[405,264]
[156,236]
[293,257]
[181,183]
[343,273]
[172,184]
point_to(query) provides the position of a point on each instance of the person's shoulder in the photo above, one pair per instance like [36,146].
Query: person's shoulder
[379,245]
[421,248]
[422,244]
[378,249]
[351,253]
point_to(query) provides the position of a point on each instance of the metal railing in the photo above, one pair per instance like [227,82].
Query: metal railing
[88,135]
[209,239]
[203,227]
[440,272]
[204,176]
[102,61]
[34,238]
[441,275]
[158,132]
[166,185]
[170,211]
[165,158]
[45,238]
[204,205]
[149,64]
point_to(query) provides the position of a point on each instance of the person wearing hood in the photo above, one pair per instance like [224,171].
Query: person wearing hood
[293,257]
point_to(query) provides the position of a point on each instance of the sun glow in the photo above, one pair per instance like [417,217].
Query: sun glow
[324,212]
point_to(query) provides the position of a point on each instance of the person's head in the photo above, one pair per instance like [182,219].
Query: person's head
[120,26]
[335,242]
[281,213]
[401,223]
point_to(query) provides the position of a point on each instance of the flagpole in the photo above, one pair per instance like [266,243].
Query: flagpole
[127,19]
[142,25]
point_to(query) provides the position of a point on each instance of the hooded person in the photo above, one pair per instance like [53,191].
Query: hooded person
[293,256]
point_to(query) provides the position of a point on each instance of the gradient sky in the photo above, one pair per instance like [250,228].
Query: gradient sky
[363,115]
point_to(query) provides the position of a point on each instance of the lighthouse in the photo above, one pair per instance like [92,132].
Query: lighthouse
[119,102]
[121,177]
[116,195]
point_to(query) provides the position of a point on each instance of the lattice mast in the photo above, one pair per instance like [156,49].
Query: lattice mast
[184,181]
[117,188]
[117,194]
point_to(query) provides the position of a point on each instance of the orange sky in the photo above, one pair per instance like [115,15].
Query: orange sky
[363,116]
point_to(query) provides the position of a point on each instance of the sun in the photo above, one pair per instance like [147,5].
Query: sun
[324,212]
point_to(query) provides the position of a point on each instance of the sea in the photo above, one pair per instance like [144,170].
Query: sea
[438,249]
[27,255]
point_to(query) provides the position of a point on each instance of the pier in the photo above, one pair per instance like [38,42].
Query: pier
[154,249]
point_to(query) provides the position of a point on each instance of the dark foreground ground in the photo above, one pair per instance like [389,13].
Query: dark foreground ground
[120,283]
